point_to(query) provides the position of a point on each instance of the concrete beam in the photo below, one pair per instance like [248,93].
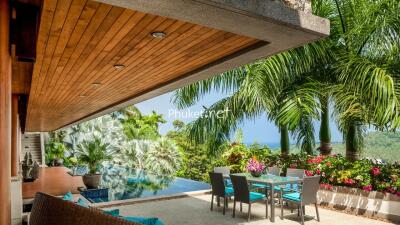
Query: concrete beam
[266,20]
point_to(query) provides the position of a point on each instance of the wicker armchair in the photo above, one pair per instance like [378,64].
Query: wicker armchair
[50,210]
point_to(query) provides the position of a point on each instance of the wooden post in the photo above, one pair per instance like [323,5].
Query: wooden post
[5,114]
[15,137]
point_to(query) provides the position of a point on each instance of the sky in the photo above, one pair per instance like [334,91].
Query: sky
[260,129]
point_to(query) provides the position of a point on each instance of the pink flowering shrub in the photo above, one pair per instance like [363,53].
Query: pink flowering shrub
[335,170]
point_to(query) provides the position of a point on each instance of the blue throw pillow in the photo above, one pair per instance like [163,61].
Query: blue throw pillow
[112,212]
[82,203]
[142,220]
[68,197]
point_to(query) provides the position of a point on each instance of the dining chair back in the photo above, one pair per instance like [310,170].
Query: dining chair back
[222,169]
[309,190]
[217,184]
[240,188]
[274,171]
[295,173]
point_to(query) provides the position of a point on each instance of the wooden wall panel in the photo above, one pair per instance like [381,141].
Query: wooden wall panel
[15,137]
[80,41]
[5,115]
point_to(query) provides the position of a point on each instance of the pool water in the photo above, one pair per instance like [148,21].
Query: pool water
[121,183]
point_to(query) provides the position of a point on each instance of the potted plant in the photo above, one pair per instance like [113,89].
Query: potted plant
[92,152]
[255,167]
[55,153]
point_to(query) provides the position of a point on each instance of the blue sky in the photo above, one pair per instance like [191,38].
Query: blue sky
[259,129]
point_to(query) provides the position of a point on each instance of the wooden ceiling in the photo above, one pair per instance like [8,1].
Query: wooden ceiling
[80,41]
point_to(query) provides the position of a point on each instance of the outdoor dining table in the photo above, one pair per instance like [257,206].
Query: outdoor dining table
[271,181]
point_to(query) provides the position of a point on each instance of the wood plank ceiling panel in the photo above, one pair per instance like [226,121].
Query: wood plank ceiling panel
[80,41]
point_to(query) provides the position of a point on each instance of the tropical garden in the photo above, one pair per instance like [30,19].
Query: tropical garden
[350,77]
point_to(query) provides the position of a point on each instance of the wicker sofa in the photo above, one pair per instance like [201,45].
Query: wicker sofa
[50,210]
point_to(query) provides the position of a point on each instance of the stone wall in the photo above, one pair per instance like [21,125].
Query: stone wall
[359,202]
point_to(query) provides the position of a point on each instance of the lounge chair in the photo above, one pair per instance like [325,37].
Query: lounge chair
[50,210]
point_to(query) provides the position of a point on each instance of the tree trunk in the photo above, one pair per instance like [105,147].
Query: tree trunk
[325,147]
[285,145]
[352,143]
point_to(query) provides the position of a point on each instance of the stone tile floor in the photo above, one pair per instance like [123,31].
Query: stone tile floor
[195,210]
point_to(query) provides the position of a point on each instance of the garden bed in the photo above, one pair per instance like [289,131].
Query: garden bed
[367,203]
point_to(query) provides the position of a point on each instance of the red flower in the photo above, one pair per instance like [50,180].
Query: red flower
[309,173]
[318,171]
[326,186]
[293,166]
[367,188]
[398,193]
[391,190]
[375,171]
[349,181]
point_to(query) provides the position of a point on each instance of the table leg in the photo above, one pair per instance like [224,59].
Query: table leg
[272,204]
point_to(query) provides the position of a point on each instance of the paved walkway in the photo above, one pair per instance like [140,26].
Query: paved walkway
[196,211]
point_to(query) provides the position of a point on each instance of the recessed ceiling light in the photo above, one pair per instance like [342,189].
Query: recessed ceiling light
[158,34]
[96,84]
[119,66]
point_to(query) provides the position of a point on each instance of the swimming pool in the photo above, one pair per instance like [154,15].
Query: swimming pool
[122,183]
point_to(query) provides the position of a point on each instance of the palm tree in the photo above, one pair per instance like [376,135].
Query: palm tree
[93,152]
[163,158]
[367,67]
[264,86]
[345,68]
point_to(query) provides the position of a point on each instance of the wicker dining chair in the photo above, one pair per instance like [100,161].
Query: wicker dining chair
[50,210]
[219,190]
[222,169]
[274,170]
[243,194]
[307,195]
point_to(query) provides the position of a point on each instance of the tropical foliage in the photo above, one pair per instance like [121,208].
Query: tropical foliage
[335,170]
[127,138]
[354,71]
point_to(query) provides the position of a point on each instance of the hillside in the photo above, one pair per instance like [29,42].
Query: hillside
[384,145]
[380,145]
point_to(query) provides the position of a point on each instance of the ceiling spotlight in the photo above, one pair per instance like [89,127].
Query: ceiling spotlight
[119,66]
[96,84]
[158,34]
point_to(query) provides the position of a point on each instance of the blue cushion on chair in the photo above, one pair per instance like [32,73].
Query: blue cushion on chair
[264,186]
[143,220]
[295,196]
[256,196]
[228,183]
[68,197]
[112,212]
[229,191]
[82,203]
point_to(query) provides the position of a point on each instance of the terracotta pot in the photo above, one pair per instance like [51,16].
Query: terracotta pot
[91,181]
[58,162]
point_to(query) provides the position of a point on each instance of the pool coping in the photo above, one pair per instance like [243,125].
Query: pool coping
[148,199]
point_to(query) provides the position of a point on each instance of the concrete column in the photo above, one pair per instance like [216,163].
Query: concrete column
[5,114]
[15,137]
